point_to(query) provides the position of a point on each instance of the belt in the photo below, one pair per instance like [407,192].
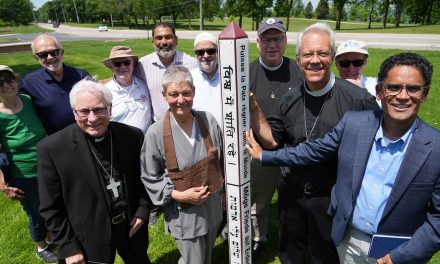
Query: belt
[118,218]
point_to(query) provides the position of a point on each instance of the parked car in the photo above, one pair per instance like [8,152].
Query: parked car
[102,28]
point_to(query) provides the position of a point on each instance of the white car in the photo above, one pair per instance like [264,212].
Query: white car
[102,28]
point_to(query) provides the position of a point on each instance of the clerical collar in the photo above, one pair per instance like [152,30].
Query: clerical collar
[271,68]
[98,139]
[324,90]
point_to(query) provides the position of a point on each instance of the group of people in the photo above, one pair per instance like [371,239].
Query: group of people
[91,161]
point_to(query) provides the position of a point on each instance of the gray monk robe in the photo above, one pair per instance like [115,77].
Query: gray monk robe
[196,220]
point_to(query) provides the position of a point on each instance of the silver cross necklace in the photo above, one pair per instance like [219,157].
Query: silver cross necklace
[316,120]
[112,185]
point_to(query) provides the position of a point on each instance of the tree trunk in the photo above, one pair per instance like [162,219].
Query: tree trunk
[370,15]
[339,13]
[174,20]
[385,15]
[289,11]
[427,16]
[399,9]
[240,20]
[188,14]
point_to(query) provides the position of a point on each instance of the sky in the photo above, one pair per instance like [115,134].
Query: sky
[39,3]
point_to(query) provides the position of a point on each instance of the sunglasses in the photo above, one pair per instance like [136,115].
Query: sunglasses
[201,52]
[118,64]
[8,79]
[43,55]
[355,63]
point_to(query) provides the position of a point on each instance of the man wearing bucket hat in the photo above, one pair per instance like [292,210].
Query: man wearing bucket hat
[206,77]
[350,60]
[131,102]
[271,76]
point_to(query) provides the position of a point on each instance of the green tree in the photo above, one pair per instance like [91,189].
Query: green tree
[16,12]
[322,10]
[399,4]
[386,6]
[298,8]
[308,11]
[283,8]
[211,9]
[339,8]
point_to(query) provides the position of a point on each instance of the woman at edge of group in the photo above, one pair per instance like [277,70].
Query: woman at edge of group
[20,131]
[194,215]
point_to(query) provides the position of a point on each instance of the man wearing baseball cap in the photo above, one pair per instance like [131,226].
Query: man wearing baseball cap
[351,58]
[271,76]
[131,102]
[305,113]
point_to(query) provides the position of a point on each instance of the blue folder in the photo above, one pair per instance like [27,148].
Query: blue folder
[382,244]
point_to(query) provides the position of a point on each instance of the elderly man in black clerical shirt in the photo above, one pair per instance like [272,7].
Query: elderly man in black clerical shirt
[305,113]
[91,192]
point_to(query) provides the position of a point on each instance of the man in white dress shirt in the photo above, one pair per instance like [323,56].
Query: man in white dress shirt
[206,77]
[152,66]
[131,102]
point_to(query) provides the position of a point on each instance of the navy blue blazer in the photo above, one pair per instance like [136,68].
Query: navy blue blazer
[413,207]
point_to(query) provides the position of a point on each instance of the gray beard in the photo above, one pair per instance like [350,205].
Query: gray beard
[166,53]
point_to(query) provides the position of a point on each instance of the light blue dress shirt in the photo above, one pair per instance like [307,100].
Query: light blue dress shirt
[383,165]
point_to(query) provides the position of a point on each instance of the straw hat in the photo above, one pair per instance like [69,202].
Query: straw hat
[119,52]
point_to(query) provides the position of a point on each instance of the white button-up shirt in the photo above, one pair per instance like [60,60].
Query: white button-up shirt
[208,95]
[152,70]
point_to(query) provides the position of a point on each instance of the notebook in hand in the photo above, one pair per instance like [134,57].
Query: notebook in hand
[382,244]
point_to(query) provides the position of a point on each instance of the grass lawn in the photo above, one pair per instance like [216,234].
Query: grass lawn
[16,246]
[8,40]
[22,30]
[296,24]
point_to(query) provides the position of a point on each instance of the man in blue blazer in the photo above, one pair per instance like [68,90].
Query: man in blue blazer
[388,178]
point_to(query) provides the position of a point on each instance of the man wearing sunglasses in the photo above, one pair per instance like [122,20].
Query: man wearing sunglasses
[152,66]
[271,76]
[206,77]
[131,102]
[49,86]
[350,60]
[388,170]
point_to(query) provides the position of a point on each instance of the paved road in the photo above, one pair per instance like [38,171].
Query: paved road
[399,41]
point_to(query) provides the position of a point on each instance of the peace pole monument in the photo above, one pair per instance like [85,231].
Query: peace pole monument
[234,73]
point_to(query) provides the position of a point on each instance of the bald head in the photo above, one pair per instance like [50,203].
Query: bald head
[45,39]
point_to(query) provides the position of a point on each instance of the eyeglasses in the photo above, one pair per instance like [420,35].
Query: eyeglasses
[43,55]
[201,52]
[276,40]
[118,64]
[9,79]
[411,90]
[320,54]
[347,63]
[84,113]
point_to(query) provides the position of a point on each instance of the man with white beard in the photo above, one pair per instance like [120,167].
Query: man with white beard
[206,77]
[152,66]
[49,86]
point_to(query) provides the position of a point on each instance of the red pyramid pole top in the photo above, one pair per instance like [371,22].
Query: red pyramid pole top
[232,31]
